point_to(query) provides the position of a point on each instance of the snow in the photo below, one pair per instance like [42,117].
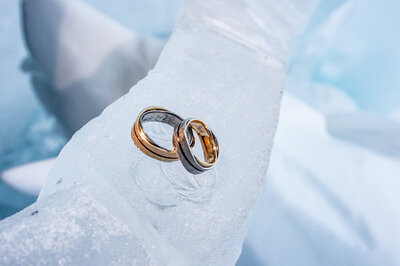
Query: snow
[91,208]
[331,189]
[326,201]
[331,194]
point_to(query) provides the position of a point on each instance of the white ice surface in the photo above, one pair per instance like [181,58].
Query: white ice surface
[302,219]
[105,202]
[28,178]
[326,201]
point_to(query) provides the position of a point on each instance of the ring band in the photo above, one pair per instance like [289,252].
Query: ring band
[183,140]
[145,143]
[182,146]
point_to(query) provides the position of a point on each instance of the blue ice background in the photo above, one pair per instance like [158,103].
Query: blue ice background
[27,131]
[360,58]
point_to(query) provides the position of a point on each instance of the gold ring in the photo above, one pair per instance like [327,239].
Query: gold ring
[183,140]
[145,143]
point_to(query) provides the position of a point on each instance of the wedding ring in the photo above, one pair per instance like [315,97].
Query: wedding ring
[183,140]
[208,141]
[146,144]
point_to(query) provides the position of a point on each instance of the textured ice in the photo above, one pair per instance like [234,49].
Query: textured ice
[326,201]
[331,194]
[225,63]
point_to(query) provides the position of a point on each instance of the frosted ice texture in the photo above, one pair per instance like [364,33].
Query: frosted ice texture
[225,64]
[331,194]
[326,201]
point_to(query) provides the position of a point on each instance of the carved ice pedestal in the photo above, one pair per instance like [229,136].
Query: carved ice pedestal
[105,202]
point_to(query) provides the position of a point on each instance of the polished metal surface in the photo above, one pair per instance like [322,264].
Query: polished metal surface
[208,142]
[183,140]
[145,143]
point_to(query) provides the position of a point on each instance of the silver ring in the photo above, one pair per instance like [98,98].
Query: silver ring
[208,141]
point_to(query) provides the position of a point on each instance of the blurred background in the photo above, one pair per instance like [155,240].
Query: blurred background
[341,111]
[29,131]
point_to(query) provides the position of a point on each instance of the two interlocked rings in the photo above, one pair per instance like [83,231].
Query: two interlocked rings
[182,139]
